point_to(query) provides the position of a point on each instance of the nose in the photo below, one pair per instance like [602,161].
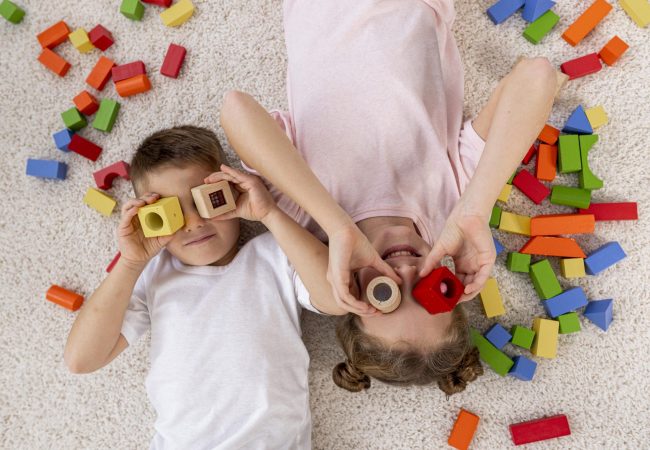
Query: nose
[408,273]
[192,220]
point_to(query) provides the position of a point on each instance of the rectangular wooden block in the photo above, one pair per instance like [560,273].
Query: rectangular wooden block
[567,301]
[514,223]
[549,135]
[491,299]
[586,22]
[463,431]
[569,153]
[555,224]
[99,201]
[497,360]
[54,62]
[544,279]
[536,31]
[173,61]
[604,257]
[522,337]
[546,162]
[597,116]
[530,186]
[518,262]
[44,168]
[546,334]
[125,71]
[177,14]
[569,323]
[495,217]
[505,193]
[570,196]
[540,429]
[101,73]
[572,267]
[10,11]
[79,38]
[84,147]
[132,9]
[107,114]
[101,37]
[532,151]
[86,103]
[613,50]
[582,66]
[54,35]
[553,246]
[638,10]
[612,211]
[73,119]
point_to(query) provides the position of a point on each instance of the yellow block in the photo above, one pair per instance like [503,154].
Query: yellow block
[162,218]
[638,10]
[177,14]
[572,267]
[514,223]
[597,116]
[81,41]
[491,298]
[99,201]
[545,343]
[505,193]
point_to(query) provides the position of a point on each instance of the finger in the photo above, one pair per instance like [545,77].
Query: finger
[150,198]
[341,284]
[480,279]
[386,269]
[466,297]
[433,259]
[214,178]
[132,203]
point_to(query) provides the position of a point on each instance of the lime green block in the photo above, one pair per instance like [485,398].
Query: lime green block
[522,336]
[568,148]
[544,279]
[132,9]
[570,196]
[518,262]
[536,31]
[106,115]
[497,360]
[587,179]
[495,217]
[73,119]
[569,323]
[512,177]
[11,12]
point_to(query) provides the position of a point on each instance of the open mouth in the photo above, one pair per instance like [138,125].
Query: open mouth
[399,250]
[201,240]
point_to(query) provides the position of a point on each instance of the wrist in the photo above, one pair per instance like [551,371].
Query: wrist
[130,266]
[271,216]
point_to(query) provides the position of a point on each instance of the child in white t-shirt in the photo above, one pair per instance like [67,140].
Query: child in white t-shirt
[228,366]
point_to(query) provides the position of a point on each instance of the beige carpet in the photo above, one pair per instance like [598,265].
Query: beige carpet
[600,380]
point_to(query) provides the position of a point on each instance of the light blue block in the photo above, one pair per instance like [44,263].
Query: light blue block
[533,9]
[62,139]
[600,313]
[503,9]
[523,368]
[44,168]
[497,245]
[606,256]
[565,302]
[498,336]
[578,123]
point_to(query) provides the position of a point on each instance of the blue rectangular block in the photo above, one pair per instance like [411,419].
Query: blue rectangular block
[503,9]
[44,168]
[497,245]
[533,9]
[62,139]
[565,302]
[498,336]
[524,368]
[606,256]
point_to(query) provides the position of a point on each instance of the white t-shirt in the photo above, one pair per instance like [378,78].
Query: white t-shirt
[228,365]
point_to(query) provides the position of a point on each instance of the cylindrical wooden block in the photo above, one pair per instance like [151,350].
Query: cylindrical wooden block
[63,297]
[384,294]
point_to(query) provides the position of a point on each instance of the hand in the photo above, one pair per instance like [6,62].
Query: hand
[349,250]
[254,201]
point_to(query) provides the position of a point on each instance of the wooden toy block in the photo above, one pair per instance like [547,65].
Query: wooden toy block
[503,9]
[523,368]
[86,103]
[613,50]
[164,3]
[54,62]
[104,177]
[554,224]
[214,199]
[569,153]
[546,162]
[173,61]
[497,360]
[530,186]
[583,66]
[599,312]
[54,35]
[79,38]
[572,267]
[106,116]
[101,38]
[84,147]
[161,218]
[565,302]
[578,122]
[553,246]
[73,119]
[549,135]
[587,180]
[384,294]
[586,22]
[132,86]
[178,13]
[544,280]
[65,298]
[497,246]
[638,10]
[569,323]
[62,139]
[612,211]
[495,217]
[540,429]
[604,257]
[597,117]
[530,154]
[10,11]
[101,73]
[44,168]
[518,262]
[570,196]
[132,9]
[514,223]
[129,70]
[522,337]
[533,9]
[428,291]
[99,201]
[498,336]
[505,193]
[545,342]
[512,177]
[491,299]
[463,431]
[114,261]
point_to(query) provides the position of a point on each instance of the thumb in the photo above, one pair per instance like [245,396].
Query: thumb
[385,269]
[433,259]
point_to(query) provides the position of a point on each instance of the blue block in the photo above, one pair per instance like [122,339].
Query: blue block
[533,9]
[46,168]
[62,139]
[578,123]
[523,368]
[599,312]
[498,336]
[503,9]
[606,256]
[565,302]
[497,245]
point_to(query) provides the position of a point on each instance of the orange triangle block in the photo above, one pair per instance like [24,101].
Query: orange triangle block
[553,246]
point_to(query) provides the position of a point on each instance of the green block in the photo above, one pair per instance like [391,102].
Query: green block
[587,179]
[544,280]
[518,262]
[569,323]
[536,31]
[132,9]
[106,115]
[522,336]
[570,196]
[73,119]
[495,217]
[11,12]
[496,359]
[568,153]
[512,177]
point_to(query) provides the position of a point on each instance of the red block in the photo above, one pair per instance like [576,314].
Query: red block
[428,291]
[530,186]
[101,37]
[84,147]
[531,152]
[164,3]
[540,429]
[129,70]
[116,258]
[582,66]
[104,177]
[612,211]
[173,61]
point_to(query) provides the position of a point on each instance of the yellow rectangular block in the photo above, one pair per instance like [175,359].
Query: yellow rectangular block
[99,201]
[597,116]
[638,10]
[572,267]
[546,332]
[81,41]
[514,223]
[505,193]
[177,14]
[491,298]
[162,218]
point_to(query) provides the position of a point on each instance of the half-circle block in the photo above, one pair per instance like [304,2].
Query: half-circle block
[104,177]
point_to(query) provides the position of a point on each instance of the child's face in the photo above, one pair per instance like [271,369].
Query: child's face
[201,241]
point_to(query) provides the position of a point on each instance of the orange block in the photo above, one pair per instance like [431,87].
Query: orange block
[546,162]
[54,62]
[554,224]
[553,246]
[86,103]
[63,297]
[586,22]
[464,429]
[549,135]
[100,73]
[613,50]
[132,86]
[54,35]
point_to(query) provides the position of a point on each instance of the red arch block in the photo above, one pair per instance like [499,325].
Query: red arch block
[104,177]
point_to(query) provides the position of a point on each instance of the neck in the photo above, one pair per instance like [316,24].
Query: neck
[228,257]
[373,224]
